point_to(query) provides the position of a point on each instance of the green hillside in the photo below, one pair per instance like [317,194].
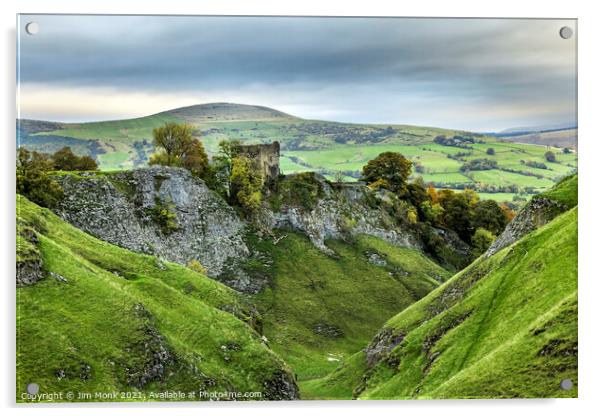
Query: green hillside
[320,309]
[105,319]
[506,326]
[330,148]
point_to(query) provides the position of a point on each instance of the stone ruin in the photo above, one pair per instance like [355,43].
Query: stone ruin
[265,158]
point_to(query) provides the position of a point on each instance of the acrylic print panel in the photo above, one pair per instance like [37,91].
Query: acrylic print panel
[280,208]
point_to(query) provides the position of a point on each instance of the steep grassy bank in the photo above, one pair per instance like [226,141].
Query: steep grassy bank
[105,319]
[319,309]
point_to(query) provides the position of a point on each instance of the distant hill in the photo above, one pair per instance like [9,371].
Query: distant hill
[202,113]
[556,138]
[556,135]
[537,129]
[333,149]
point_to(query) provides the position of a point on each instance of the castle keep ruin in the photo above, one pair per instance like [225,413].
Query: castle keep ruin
[265,158]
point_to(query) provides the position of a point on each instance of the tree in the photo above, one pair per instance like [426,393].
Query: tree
[177,147]
[245,184]
[87,163]
[508,212]
[174,140]
[491,151]
[432,193]
[417,196]
[33,180]
[456,213]
[566,150]
[489,216]
[388,170]
[550,156]
[65,159]
[222,166]
[195,159]
[481,240]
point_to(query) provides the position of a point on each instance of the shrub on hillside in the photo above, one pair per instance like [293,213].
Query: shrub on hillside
[481,240]
[196,266]
[163,215]
[479,164]
[33,180]
[301,190]
[550,156]
[65,159]
[245,184]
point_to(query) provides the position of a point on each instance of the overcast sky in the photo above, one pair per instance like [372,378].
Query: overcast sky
[481,75]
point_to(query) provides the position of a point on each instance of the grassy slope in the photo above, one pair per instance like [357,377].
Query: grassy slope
[565,191]
[91,319]
[504,327]
[347,292]
[114,130]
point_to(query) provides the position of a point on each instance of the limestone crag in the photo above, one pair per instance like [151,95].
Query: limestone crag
[130,208]
[343,211]
[538,212]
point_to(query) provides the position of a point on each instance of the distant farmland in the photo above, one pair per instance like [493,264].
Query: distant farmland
[336,150]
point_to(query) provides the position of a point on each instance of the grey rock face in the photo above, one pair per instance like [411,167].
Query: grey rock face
[376,259]
[118,208]
[29,261]
[538,212]
[29,272]
[281,386]
[341,213]
[381,345]
[153,354]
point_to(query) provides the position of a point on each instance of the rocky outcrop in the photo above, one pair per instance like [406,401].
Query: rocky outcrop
[538,212]
[29,272]
[168,213]
[341,212]
[381,345]
[281,386]
[151,356]
[161,211]
[29,261]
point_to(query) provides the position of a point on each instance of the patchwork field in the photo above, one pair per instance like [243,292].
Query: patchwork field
[336,150]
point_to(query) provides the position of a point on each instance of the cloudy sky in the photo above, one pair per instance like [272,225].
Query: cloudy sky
[481,75]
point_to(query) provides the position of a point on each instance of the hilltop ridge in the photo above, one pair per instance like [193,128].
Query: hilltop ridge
[222,111]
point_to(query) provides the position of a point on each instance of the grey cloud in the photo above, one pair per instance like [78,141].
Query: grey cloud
[463,61]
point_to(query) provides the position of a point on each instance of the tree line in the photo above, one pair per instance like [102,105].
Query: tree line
[477,222]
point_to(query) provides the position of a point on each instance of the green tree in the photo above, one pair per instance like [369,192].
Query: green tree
[245,184]
[456,213]
[417,196]
[65,159]
[490,216]
[178,147]
[195,159]
[550,156]
[481,240]
[222,165]
[389,170]
[173,139]
[33,180]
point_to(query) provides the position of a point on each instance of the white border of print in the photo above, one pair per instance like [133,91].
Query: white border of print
[590,157]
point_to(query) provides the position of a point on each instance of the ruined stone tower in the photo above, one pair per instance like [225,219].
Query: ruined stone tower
[265,158]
